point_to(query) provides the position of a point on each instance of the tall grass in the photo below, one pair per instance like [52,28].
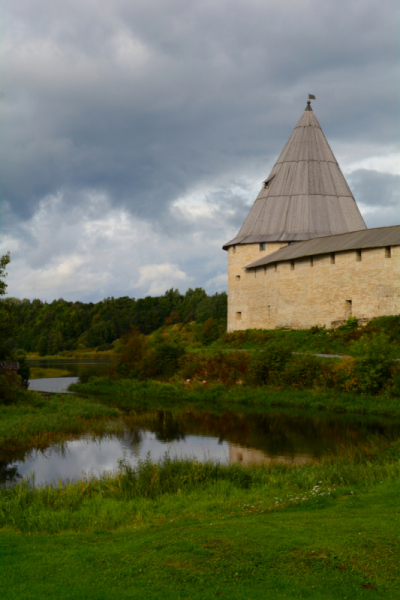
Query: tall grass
[35,421]
[139,496]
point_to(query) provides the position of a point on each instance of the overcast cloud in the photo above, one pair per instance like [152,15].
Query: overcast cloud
[136,134]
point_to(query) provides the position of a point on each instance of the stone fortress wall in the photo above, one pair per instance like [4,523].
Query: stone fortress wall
[321,290]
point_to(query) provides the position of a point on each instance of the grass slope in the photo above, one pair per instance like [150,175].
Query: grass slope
[237,546]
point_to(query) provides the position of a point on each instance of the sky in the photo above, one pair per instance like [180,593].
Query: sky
[136,133]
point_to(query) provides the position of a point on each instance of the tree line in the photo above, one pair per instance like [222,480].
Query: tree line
[50,328]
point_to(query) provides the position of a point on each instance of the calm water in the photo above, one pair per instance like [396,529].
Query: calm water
[290,436]
[60,384]
[55,385]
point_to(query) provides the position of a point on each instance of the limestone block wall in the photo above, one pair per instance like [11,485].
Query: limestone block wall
[312,291]
[238,257]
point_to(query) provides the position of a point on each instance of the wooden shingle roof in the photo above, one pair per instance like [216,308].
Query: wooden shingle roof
[305,196]
[378,237]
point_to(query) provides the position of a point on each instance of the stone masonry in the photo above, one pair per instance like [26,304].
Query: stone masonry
[323,290]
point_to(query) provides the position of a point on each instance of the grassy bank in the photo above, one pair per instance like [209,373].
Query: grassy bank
[90,353]
[35,421]
[183,529]
[42,373]
[134,395]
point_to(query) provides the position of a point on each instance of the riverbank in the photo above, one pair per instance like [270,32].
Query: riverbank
[47,373]
[88,353]
[138,396]
[183,529]
[35,421]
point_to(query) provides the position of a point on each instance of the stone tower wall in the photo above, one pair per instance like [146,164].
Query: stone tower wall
[238,257]
[307,293]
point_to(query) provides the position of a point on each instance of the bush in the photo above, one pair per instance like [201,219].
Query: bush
[189,370]
[209,332]
[302,372]
[395,387]
[161,361]
[104,347]
[373,362]
[268,365]
[132,348]
[24,372]
[10,387]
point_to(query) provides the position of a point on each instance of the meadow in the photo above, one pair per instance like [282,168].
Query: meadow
[184,529]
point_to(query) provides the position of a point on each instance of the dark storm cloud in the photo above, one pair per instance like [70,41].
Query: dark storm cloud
[373,188]
[146,100]
[136,134]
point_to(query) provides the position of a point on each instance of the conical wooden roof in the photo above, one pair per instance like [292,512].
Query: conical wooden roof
[305,196]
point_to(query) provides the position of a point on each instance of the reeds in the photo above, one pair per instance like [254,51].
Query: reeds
[137,496]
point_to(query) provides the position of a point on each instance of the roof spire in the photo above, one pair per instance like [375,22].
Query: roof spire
[305,196]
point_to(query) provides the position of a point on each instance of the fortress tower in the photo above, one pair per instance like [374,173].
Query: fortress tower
[305,197]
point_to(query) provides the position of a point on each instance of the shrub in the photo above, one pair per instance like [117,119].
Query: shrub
[24,372]
[302,372]
[209,332]
[161,361]
[10,387]
[132,349]
[269,364]
[373,361]
[190,369]
[341,375]
[104,347]
[395,387]
[227,368]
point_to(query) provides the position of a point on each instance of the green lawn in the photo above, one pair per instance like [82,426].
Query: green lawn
[345,547]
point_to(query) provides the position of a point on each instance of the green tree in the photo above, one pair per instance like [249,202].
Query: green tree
[7,309]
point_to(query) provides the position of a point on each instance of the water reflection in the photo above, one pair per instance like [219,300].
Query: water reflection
[283,435]
[53,385]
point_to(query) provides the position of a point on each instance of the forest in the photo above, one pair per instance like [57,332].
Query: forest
[51,328]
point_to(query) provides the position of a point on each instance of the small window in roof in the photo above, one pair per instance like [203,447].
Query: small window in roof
[268,181]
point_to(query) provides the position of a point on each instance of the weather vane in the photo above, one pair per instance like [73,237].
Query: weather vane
[310,97]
